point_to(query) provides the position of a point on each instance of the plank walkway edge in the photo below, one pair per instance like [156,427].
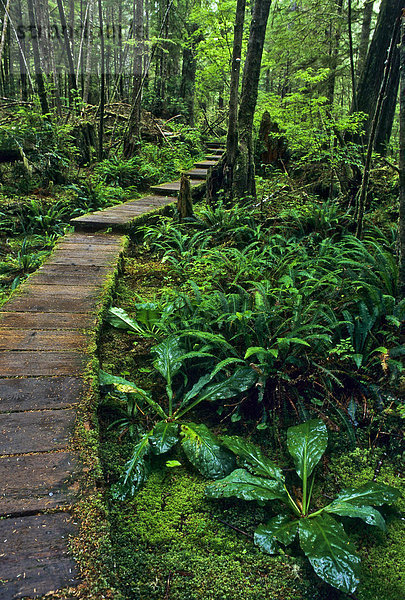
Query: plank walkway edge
[48,332]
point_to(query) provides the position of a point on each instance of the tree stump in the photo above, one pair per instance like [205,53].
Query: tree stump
[185,200]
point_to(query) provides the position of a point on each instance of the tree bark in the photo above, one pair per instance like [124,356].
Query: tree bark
[188,72]
[373,72]
[68,50]
[243,179]
[365,35]
[401,283]
[39,78]
[102,84]
[361,202]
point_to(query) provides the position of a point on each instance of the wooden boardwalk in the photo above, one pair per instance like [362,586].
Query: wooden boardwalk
[48,332]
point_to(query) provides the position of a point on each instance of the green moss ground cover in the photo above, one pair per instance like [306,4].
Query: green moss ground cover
[171,543]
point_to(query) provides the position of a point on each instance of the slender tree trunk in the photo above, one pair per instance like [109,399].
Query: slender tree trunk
[374,67]
[188,72]
[89,28]
[232,137]
[131,139]
[102,83]
[4,29]
[334,55]
[243,180]
[21,51]
[68,50]
[39,78]
[365,35]
[361,202]
[401,286]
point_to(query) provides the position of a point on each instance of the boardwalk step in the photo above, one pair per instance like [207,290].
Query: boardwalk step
[40,393]
[34,555]
[47,320]
[39,431]
[200,173]
[37,482]
[172,188]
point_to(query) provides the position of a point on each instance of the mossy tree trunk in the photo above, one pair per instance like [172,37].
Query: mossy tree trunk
[243,171]
[373,72]
[401,286]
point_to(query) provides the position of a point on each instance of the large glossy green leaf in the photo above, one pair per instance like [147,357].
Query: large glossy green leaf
[128,387]
[330,552]
[252,458]
[135,472]
[168,354]
[238,382]
[164,436]
[370,493]
[203,450]
[368,514]
[244,485]
[306,444]
[117,317]
[282,528]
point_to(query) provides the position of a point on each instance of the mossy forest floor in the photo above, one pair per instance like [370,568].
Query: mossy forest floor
[171,543]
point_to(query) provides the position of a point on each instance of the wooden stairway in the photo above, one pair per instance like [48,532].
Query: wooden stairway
[48,332]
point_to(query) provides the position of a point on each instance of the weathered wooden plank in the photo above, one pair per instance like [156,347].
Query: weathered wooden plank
[35,557]
[197,173]
[37,482]
[40,393]
[95,238]
[36,363]
[83,259]
[63,291]
[48,303]
[25,339]
[205,164]
[38,431]
[173,187]
[47,320]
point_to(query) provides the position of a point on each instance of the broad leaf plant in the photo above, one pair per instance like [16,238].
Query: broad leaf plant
[199,444]
[322,538]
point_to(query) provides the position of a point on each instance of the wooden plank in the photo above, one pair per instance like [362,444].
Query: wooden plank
[205,164]
[48,320]
[95,238]
[25,339]
[40,393]
[35,557]
[32,364]
[38,431]
[173,187]
[197,173]
[64,291]
[78,276]
[82,259]
[37,482]
[51,304]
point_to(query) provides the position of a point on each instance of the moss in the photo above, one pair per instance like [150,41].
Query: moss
[169,539]
[382,553]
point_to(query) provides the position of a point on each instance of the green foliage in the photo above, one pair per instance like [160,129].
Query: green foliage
[169,531]
[199,444]
[322,539]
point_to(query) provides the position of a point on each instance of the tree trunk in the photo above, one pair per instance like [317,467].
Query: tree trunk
[102,83]
[39,78]
[365,35]
[188,72]
[373,72]
[232,138]
[68,50]
[4,28]
[21,50]
[334,49]
[132,136]
[401,286]
[243,177]
[362,199]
